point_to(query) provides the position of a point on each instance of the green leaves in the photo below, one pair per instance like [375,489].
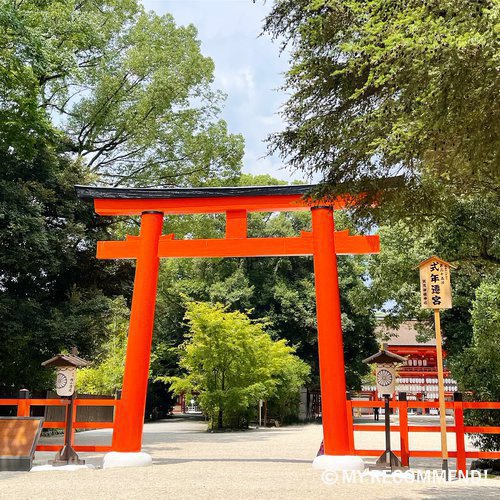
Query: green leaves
[477,368]
[231,363]
[129,90]
[53,292]
[91,91]
[380,88]
[105,375]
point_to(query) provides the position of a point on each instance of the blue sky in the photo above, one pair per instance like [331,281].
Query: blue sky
[248,68]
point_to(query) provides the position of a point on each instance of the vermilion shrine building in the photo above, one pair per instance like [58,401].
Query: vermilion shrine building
[418,377]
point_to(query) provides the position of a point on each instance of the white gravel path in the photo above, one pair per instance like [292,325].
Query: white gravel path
[263,463]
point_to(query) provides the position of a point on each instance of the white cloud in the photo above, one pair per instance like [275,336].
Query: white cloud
[240,80]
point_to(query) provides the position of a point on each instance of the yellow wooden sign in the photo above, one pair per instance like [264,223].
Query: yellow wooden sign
[435,284]
[435,293]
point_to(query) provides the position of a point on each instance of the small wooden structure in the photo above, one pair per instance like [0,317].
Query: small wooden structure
[67,365]
[386,362]
[18,440]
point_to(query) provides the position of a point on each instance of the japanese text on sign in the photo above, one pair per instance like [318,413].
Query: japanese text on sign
[435,286]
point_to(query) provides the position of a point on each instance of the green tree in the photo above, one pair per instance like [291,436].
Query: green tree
[129,90]
[54,294]
[105,375]
[284,403]
[232,363]
[467,236]
[477,368]
[278,288]
[380,88]
[90,91]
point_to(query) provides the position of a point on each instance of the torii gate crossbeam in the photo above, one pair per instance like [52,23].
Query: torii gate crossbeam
[323,243]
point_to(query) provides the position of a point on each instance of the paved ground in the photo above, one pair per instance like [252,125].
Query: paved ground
[263,463]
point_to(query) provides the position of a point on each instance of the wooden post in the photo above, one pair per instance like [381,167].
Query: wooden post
[74,411]
[387,424]
[23,406]
[442,406]
[403,429]
[350,422]
[460,433]
[67,455]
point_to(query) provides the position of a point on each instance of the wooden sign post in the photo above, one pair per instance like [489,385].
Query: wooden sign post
[435,293]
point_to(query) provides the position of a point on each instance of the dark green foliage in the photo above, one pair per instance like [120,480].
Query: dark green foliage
[90,92]
[380,88]
[466,234]
[477,367]
[52,289]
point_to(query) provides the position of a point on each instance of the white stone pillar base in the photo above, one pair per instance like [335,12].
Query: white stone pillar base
[126,459]
[58,468]
[339,462]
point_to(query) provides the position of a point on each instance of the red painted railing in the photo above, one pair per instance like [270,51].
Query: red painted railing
[24,410]
[460,429]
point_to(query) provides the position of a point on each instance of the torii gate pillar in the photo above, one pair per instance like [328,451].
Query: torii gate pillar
[129,421]
[338,452]
[330,344]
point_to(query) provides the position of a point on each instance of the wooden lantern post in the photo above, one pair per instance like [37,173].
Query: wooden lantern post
[386,362]
[66,365]
[435,293]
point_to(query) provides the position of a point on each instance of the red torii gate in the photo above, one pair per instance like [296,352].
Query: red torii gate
[323,243]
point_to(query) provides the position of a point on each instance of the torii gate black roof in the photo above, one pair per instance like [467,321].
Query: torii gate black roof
[91,192]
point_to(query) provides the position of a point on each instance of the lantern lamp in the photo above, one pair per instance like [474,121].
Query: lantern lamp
[386,363]
[66,366]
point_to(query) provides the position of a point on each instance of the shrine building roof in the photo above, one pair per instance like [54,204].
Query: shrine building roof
[405,335]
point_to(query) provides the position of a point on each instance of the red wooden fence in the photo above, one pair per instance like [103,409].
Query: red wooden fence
[24,409]
[460,429]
